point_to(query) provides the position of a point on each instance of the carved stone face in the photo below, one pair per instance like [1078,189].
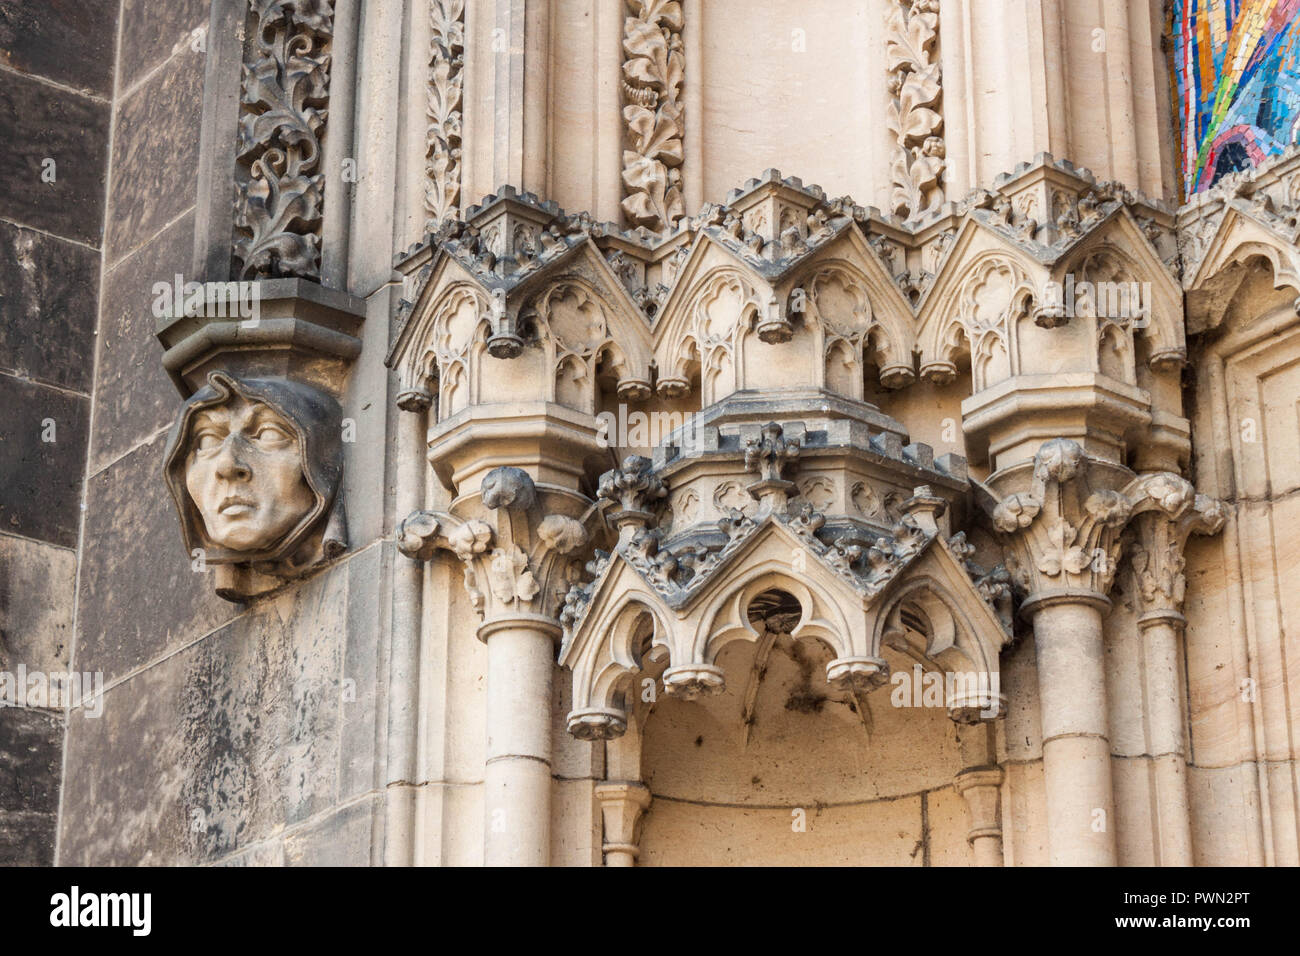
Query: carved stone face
[244,472]
[254,466]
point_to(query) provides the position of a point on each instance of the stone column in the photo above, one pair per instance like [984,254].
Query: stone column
[517,775]
[980,785]
[1076,741]
[1162,656]
[622,805]
[515,543]
[1170,512]
[1064,529]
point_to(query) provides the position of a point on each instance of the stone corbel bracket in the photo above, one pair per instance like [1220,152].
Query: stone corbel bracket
[1166,512]
[1064,529]
[288,328]
[255,467]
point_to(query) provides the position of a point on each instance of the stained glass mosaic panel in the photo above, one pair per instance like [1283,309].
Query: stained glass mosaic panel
[1236,66]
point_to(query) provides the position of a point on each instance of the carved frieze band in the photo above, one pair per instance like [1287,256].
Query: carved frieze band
[284,92]
[446,68]
[653,68]
[915,117]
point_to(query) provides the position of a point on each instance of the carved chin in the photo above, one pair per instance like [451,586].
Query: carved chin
[244,532]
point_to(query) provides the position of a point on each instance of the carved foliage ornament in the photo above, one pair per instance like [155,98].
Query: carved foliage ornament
[652,90]
[522,564]
[285,88]
[446,65]
[911,51]
[1067,533]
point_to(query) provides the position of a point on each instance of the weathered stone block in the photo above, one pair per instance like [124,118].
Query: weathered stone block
[48,291]
[341,839]
[238,735]
[31,751]
[135,399]
[155,153]
[151,32]
[40,123]
[37,583]
[42,456]
[69,43]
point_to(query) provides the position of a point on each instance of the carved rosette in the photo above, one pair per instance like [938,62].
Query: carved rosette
[1064,531]
[518,559]
[653,68]
[280,186]
[446,66]
[915,120]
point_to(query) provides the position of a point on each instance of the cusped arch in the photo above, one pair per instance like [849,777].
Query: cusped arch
[576,326]
[824,614]
[603,667]
[875,327]
[955,641]
[1159,320]
[974,316]
[707,331]
[440,335]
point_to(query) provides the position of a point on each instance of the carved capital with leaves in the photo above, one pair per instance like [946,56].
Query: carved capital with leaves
[520,557]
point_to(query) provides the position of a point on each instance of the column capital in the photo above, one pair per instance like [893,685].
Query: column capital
[623,803]
[520,547]
[1062,521]
[1167,512]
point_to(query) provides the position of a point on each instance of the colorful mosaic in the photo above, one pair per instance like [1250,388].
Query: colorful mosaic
[1236,67]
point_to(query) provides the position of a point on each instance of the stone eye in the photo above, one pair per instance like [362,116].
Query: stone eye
[271,435]
[207,440]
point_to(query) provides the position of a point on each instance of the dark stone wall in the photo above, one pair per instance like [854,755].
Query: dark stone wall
[225,733]
[56,87]
[237,734]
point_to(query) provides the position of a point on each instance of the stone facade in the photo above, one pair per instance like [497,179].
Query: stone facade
[468,448]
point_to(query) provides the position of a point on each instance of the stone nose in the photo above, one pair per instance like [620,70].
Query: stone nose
[232,460]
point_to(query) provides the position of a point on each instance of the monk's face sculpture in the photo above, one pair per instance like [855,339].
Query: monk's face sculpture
[244,472]
[254,466]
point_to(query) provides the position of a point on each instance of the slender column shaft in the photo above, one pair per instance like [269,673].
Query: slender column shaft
[622,805]
[693,140]
[1076,745]
[517,778]
[404,655]
[980,784]
[1161,648]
